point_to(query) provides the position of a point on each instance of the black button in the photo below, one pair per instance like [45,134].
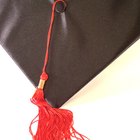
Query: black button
[61,6]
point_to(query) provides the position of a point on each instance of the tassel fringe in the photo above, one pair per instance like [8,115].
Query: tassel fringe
[53,123]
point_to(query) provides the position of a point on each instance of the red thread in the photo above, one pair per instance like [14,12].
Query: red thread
[49,35]
[53,123]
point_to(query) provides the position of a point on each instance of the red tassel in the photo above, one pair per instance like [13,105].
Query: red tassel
[53,123]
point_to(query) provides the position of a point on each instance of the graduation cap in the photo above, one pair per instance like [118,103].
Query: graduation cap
[83,38]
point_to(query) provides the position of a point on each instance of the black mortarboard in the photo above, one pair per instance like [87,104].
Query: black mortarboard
[86,38]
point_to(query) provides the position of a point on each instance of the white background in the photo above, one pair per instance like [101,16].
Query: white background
[107,108]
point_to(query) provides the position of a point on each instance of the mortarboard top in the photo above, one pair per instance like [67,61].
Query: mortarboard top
[86,38]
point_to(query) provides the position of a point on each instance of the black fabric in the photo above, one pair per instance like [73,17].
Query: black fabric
[86,38]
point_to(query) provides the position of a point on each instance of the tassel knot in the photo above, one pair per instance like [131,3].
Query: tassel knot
[44,76]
